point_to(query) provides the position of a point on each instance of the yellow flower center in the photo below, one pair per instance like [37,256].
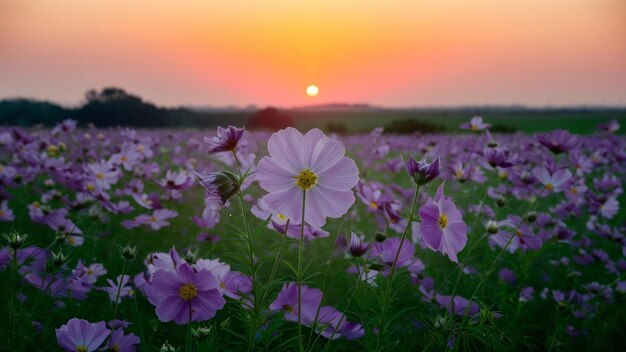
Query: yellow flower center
[518,233]
[81,349]
[99,176]
[306,179]
[1,212]
[153,219]
[473,127]
[549,186]
[222,284]
[91,187]
[281,216]
[443,221]
[89,272]
[187,292]
[374,205]
[124,158]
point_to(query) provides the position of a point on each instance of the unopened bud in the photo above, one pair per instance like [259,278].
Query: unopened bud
[58,259]
[202,332]
[223,184]
[531,217]
[492,226]
[129,253]
[380,237]
[501,202]
[191,256]
[167,347]
[15,240]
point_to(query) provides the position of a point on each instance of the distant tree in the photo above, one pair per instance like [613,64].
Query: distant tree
[409,126]
[336,127]
[498,128]
[112,106]
[269,119]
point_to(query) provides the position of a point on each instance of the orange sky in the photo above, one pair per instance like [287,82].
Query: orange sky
[391,53]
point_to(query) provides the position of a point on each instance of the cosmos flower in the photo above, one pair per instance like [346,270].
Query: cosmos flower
[122,343]
[423,172]
[442,226]
[6,214]
[187,295]
[287,302]
[79,335]
[385,252]
[356,246]
[226,140]
[313,163]
[558,141]
[475,124]
[556,181]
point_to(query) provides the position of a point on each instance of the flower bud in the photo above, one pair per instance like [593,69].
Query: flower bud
[531,217]
[492,227]
[167,347]
[501,201]
[201,332]
[58,259]
[191,256]
[15,240]
[129,253]
[380,237]
[223,184]
[356,246]
[423,172]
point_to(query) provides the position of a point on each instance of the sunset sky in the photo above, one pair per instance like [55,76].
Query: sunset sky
[389,53]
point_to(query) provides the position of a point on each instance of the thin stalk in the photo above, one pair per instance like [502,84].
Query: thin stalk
[325,283]
[385,304]
[362,277]
[301,245]
[119,290]
[12,302]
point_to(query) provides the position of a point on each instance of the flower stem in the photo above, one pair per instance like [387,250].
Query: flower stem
[385,303]
[299,278]
[119,290]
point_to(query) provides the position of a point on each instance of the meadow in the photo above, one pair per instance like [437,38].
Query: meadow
[230,240]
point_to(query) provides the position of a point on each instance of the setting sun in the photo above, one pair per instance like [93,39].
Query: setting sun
[312,90]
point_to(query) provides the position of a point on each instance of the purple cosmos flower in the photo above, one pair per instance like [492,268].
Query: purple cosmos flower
[226,140]
[558,141]
[120,285]
[475,124]
[356,246]
[442,226]
[287,301]
[423,172]
[313,163]
[6,214]
[385,252]
[186,295]
[609,127]
[79,335]
[497,157]
[122,343]
[556,181]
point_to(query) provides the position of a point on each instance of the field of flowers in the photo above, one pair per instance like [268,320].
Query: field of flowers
[229,240]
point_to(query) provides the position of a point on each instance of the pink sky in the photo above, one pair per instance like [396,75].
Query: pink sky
[390,53]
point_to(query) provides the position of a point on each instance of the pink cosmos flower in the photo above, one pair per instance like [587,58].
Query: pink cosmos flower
[81,335]
[442,226]
[186,295]
[313,163]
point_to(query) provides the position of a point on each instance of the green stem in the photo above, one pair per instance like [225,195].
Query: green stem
[356,288]
[119,289]
[385,303]
[301,245]
[319,307]
[12,302]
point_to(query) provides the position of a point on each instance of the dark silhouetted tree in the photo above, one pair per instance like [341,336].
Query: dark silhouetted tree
[269,119]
